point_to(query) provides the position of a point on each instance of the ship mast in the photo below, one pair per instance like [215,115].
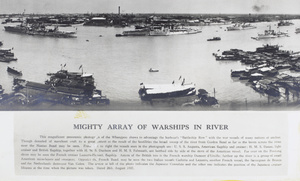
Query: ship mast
[81,67]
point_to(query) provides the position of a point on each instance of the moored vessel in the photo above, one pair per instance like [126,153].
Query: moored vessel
[159,31]
[183,31]
[136,32]
[270,34]
[78,80]
[234,27]
[267,48]
[22,28]
[6,55]
[14,71]
[285,23]
[41,30]
[64,87]
[149,92]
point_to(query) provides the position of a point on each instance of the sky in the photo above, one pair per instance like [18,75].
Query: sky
[151,6]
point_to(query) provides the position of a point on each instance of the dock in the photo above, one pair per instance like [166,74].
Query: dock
[263,73]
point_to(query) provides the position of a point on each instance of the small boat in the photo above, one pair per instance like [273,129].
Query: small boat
[297,30]
[153,70]
[14,71]
[214,39]
[148,92]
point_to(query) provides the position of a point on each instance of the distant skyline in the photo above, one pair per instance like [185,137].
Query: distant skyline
[151,6]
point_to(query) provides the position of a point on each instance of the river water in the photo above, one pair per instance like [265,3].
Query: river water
[120,64]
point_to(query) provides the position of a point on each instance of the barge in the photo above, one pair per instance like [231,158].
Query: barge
[149,92]
[14,71]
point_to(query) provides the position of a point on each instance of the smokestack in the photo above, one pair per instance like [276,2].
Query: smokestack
[119,10]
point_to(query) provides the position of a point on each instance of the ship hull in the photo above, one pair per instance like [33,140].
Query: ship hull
[25,30]
[148,93]
[13,71]
[15,29]
[136,33]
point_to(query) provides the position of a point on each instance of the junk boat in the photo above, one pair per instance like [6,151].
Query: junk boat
[6,55]
[64,78]
[14,71]
[270,34]
[214,39]
[72,88]
[69,88]
[73,80]
[6,52]
[148,92]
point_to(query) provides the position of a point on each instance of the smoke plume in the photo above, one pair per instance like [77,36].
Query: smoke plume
[259,8]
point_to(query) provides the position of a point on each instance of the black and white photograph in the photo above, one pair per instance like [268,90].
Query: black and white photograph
[168,90]
[149,55]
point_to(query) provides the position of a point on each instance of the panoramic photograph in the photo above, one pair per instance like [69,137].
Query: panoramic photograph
[210,55]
